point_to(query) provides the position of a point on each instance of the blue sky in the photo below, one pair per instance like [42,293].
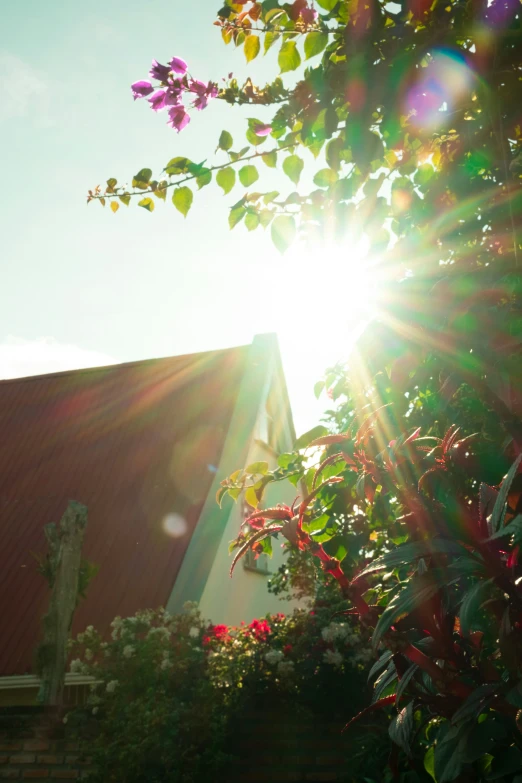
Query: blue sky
[81,285]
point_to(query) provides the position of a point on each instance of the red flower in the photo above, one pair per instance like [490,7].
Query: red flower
[260,629]
[287,649]
[219,632]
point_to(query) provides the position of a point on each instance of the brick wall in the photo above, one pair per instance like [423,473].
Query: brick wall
[272,743]
[34,745]
[276,744]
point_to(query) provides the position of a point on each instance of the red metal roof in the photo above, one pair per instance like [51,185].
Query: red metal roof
[138,444]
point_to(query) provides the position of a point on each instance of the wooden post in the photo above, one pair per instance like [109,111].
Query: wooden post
[63,572]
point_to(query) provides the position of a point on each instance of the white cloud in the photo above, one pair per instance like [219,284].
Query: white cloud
[22,90]
[19,357]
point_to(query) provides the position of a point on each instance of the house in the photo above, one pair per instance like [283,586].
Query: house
[144,446]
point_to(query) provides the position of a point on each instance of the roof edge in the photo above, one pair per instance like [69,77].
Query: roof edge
[208,534]
[119,365]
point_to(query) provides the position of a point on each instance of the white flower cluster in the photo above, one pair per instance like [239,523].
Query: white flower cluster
[337,631]
[274,656]
[128,651]
[333,657]
[285,668]
[111,686]
[160,631]
[77,666]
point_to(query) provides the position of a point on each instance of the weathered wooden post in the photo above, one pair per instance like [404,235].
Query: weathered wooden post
[63,573]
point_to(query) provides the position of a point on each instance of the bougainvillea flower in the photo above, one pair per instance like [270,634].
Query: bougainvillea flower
[178,66]
[141,89]
[309,15]
[157,101]
[178,117]
[159,71]
[262,129]
[205,91]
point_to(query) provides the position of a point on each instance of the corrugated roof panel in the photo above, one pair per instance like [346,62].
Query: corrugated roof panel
[137,444]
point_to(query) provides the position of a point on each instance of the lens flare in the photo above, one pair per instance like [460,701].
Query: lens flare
[446,80]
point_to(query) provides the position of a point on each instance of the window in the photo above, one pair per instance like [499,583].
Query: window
[258,564]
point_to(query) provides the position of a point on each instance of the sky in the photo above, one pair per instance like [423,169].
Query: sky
[83,287]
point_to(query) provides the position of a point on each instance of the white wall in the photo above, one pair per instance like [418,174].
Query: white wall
[245,595]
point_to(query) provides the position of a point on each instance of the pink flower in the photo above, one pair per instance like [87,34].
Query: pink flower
[179,117]
[204,91]
[159,71]
[261,129]
[157,101]
[141,89]
[178,66]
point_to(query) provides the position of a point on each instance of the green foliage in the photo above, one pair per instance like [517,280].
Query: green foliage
[170,690]
[226,179]
[248,175]
[289,58]
[182,199]
[283,232]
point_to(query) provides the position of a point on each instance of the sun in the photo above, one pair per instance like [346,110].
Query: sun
[332,293]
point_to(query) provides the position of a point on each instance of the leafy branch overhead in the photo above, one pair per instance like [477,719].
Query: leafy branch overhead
[402,117]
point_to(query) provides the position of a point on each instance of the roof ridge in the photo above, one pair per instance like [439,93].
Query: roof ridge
[117,365]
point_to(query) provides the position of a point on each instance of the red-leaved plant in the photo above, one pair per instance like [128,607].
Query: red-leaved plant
[445,606]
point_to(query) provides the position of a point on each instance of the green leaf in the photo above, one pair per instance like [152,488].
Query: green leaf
[471,604]
[423,174]
[111,183]
[251,221]
[254,139]
[142,179]
[270,39]
[314,43]
[293,166]
[125,198]
[147,203]
[269,197]
[325,177]
[384,682]
[265,217]
[308,437]
[225,141]
[497,515]
[204,179]
[248,175]
[416,592]
[251,497]
[409,552]
[476,702]
[505,763]
[252,47]
[401,728]
[289,58]
[512,528]
[257,467]
[448,754]
[403,683]
[318,389]
[328,5]
[380,664]
[226,179]
[220,494]
[283,232]
[236,216]
[182,199]
[429,762]
[177,166]
[270,159]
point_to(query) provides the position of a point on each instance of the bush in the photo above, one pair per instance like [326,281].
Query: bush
[169,689]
